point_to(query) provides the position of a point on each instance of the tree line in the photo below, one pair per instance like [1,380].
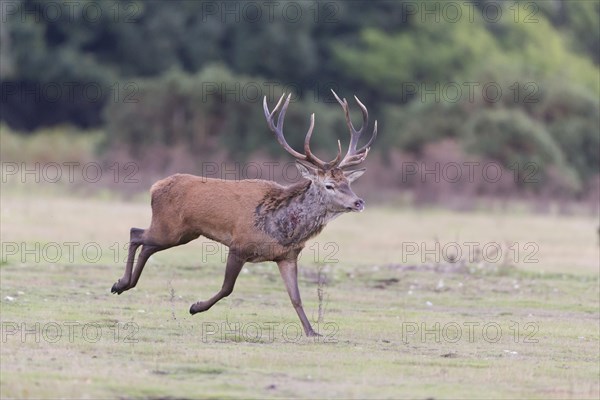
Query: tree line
[514,82]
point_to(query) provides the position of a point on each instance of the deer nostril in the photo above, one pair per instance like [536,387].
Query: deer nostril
[359,203]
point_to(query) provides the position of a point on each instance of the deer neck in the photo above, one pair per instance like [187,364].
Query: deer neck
[294,215]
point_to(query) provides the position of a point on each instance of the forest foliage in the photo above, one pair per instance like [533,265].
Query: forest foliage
[513,82]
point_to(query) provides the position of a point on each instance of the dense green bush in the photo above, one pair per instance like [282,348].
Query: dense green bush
[518,143]
[572,116]
[557,129]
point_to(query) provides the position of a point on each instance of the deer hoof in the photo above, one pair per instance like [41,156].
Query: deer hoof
[118,287]
[312,333]
[198,307]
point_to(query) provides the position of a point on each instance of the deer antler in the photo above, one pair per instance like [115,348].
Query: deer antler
[354,156]
[278,131]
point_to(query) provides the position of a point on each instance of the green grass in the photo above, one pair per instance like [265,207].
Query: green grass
[547,311]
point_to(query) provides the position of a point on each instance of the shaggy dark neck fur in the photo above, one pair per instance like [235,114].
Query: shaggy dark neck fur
[294,214]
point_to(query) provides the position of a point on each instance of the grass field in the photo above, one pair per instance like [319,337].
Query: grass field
[399,321]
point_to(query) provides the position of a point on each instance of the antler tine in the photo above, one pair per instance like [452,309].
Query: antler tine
[365,114]
[281,117]
[354,156]
[269,115]
[370,142]
[354,159]
[361,154]
[337,158]
[310,157]
[278,129]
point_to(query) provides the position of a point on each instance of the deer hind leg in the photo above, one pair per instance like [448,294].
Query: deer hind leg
[289,273]
[135,241]
[131,276]
[232,270]
[145,253]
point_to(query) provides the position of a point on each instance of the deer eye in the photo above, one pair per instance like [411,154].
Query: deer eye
[329,186]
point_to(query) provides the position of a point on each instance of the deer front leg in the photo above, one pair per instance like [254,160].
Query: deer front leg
[232,270]
[289,273]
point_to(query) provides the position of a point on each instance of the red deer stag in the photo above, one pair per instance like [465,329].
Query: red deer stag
[258,220]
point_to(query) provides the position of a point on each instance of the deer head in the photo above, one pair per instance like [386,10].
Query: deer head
[332,179]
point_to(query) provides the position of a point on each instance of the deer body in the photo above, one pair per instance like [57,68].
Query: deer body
[258,220]
[266,223]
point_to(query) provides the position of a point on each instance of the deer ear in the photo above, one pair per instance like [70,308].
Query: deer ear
[354,175]
[306,171]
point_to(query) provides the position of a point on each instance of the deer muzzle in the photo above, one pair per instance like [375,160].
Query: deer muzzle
[358,206]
